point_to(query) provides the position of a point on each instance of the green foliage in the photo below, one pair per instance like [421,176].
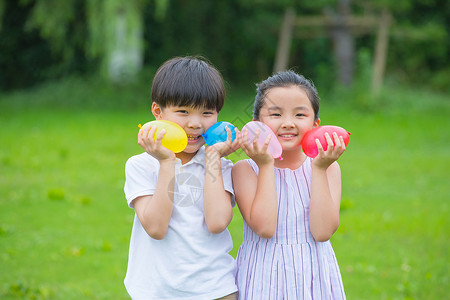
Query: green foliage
[420,43]
[24,56]
[96,19]
[52,26]
[161,9]
[64,29]
[239,36]
[2,10]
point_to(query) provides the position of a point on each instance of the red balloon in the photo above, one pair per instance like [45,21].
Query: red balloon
[309,145]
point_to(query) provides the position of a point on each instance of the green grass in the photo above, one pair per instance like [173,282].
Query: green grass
[65,225]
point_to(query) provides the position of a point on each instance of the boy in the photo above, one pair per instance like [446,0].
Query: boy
[183,202]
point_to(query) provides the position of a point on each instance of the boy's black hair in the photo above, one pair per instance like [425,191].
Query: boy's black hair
[285,79]
[188,81]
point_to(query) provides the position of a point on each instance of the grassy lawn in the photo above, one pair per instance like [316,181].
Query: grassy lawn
[65,225]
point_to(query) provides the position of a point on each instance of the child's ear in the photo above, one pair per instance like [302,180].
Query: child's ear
[316,123]
[156,111]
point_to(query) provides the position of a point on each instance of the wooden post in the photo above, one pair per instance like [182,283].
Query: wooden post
[284,43]
[344,28]
[381,47]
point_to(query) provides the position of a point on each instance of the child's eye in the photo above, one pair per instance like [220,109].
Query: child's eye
[275,115]
[182,111]
[300,115]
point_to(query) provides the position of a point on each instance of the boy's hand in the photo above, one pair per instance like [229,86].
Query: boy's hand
[259,154]
[152,146]
[227,147]
[334,150]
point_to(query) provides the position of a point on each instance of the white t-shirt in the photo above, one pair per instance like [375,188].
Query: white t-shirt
[189,262]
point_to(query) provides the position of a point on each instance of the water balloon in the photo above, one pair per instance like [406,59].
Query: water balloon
[175,138]
[309,145]
[274,146]
[217,133]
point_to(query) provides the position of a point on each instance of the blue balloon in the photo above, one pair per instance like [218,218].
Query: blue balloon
[217,133]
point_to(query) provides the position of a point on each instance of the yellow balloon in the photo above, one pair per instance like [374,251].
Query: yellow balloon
[174,139]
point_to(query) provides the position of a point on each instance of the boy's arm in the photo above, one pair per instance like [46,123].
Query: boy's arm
[326,189]
[256,197]
[154,211]
[217,201]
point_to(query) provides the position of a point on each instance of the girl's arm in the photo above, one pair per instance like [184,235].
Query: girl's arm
[326,190]
[325,202]
[256,195]
[154,211]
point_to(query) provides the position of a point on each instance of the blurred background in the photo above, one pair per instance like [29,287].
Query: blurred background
[75,79]
[330,41]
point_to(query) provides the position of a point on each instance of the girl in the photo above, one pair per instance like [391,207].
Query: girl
[290,206]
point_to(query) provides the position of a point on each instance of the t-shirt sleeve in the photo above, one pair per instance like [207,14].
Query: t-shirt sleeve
[140,177]
[227,165]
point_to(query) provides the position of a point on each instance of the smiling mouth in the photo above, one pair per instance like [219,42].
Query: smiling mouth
[193,138]
[287,136]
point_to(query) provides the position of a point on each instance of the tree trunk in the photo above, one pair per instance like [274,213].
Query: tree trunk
[381,51]
[124,41]
[343,44]
[284,42]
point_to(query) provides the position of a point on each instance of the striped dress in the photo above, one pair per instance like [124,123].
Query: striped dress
[290,265]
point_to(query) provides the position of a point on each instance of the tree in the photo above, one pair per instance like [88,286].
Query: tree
[343,44]
[109,31]
[116,35]
[46,39]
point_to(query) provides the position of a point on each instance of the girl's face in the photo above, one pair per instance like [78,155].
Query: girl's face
[289,113]
[193,120]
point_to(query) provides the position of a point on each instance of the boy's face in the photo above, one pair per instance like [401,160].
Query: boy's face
[195,121]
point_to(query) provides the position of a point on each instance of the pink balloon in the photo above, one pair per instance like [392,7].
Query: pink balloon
[309,145]
[274,147]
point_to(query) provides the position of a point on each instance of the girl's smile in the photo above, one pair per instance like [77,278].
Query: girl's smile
[287,136]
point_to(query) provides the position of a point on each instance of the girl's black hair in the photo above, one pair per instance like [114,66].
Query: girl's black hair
[285,79]
[188,81]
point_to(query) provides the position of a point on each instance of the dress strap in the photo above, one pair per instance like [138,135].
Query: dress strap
[253,165]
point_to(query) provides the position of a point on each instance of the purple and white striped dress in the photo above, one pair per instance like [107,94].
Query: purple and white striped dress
[290,265]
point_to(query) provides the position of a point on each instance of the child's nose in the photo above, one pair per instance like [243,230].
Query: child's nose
[288,123]
[194,122]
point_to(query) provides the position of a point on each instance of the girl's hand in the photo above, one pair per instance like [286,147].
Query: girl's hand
[258,153]
[152,146]
[227,147]
[334,150]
